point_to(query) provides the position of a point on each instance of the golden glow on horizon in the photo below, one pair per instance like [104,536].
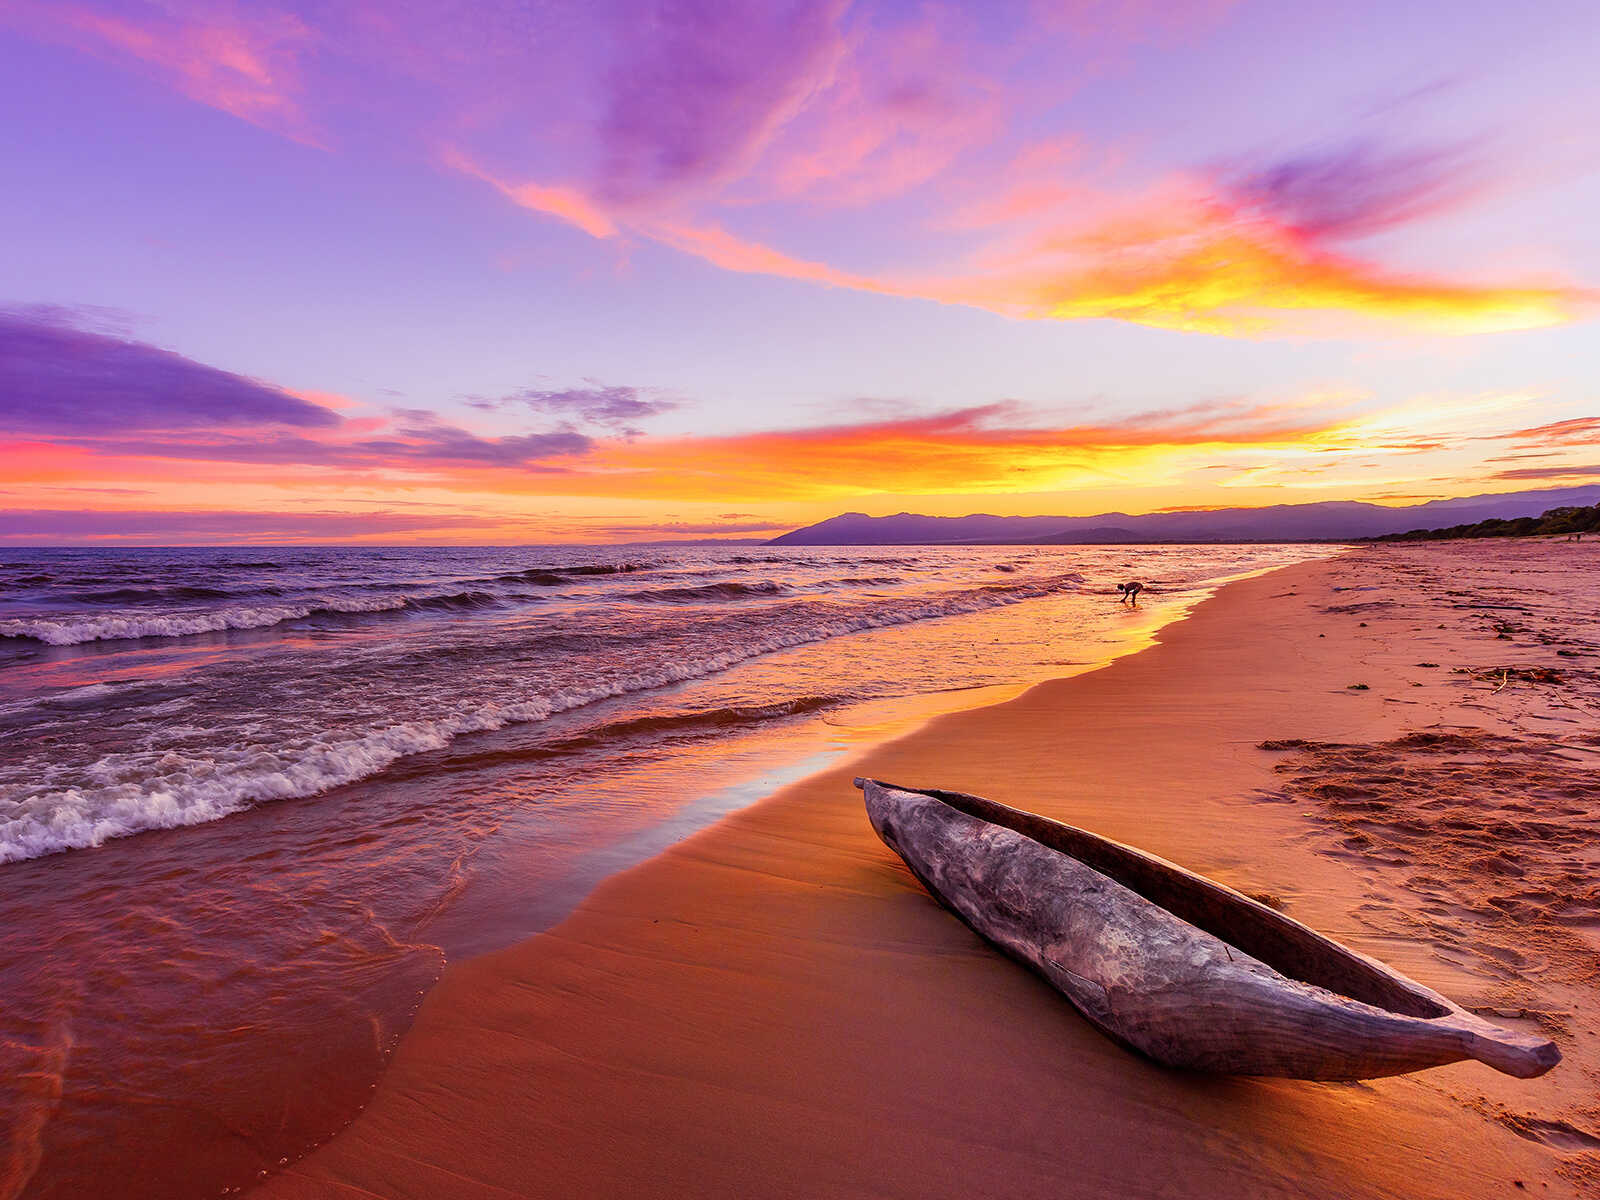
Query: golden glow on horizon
[759,483]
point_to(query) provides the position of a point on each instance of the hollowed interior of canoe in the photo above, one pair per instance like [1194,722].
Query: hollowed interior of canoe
[1284,945]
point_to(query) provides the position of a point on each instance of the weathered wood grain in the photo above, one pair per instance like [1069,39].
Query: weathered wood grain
[1177,966]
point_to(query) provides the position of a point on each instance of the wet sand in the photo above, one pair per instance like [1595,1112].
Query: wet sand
[775,1008]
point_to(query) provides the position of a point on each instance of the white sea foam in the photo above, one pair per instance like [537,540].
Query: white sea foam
[136,792]
[75,630]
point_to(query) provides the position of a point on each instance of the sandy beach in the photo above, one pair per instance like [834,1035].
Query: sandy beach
[481,481]
[776,1008]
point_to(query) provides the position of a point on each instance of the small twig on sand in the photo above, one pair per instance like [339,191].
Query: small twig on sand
[1505,678]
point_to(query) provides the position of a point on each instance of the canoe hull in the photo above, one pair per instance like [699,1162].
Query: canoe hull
[1159,983]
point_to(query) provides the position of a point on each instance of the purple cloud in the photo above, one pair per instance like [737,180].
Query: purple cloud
[74,376]
[60,376]
[1589,471]
[429,444]
[702,87]
[428,440]
[596,404]
[1360,188]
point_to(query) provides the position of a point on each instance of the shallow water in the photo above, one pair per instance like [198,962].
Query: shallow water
[237,849]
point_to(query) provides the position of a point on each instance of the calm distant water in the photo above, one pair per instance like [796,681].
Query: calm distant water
[252,800]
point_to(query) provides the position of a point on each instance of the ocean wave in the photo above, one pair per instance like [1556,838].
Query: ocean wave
[76,630]
[168,790]
[729,717]
[707,591]
[83,694]
[455,601]
[625,568]
[555,576]
[72,630]
[132,595]
[710,720]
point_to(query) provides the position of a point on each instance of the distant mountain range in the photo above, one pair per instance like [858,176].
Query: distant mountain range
[1332,520]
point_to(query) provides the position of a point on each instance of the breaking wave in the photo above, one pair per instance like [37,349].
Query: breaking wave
[75,630]
[169,789]
[729,717]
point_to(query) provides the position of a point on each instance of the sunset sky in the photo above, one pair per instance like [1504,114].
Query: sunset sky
[600,270]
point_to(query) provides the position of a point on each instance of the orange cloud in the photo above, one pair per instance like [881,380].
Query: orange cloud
[1056,233]
[1192,261]
[733,253]
[1578,431]
[566,203]
[1183,259]
[997,457]
[983,449]
[975,450]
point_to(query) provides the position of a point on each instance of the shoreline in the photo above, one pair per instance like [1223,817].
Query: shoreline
[774,995]
[459,852]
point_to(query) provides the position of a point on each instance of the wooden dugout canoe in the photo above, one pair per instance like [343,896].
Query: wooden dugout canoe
[1187,971]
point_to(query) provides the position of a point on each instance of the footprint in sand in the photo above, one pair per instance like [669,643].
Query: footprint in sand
[1558,1134]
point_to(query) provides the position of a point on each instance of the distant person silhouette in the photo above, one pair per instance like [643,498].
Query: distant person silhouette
[1130,593]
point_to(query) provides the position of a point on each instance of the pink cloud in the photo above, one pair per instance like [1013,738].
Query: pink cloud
[686,124]
[902,105]
[734,253]
[241,58]
[692,102]
[565,203]
[1577,431]
[1118,22]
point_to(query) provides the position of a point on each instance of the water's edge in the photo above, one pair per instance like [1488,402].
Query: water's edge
[705,812]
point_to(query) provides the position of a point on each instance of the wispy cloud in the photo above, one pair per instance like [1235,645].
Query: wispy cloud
[696,92]
[42,525]
[413,447]
[673,529]
[990,448]
[1577,431]
[1586,471]
[912,152]
[241,58]
[1359,188]
[615,406]
[1192,253]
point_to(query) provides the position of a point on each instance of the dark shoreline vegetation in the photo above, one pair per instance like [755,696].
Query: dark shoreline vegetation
[1553,522]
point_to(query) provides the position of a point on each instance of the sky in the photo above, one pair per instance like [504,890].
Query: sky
[484,271]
